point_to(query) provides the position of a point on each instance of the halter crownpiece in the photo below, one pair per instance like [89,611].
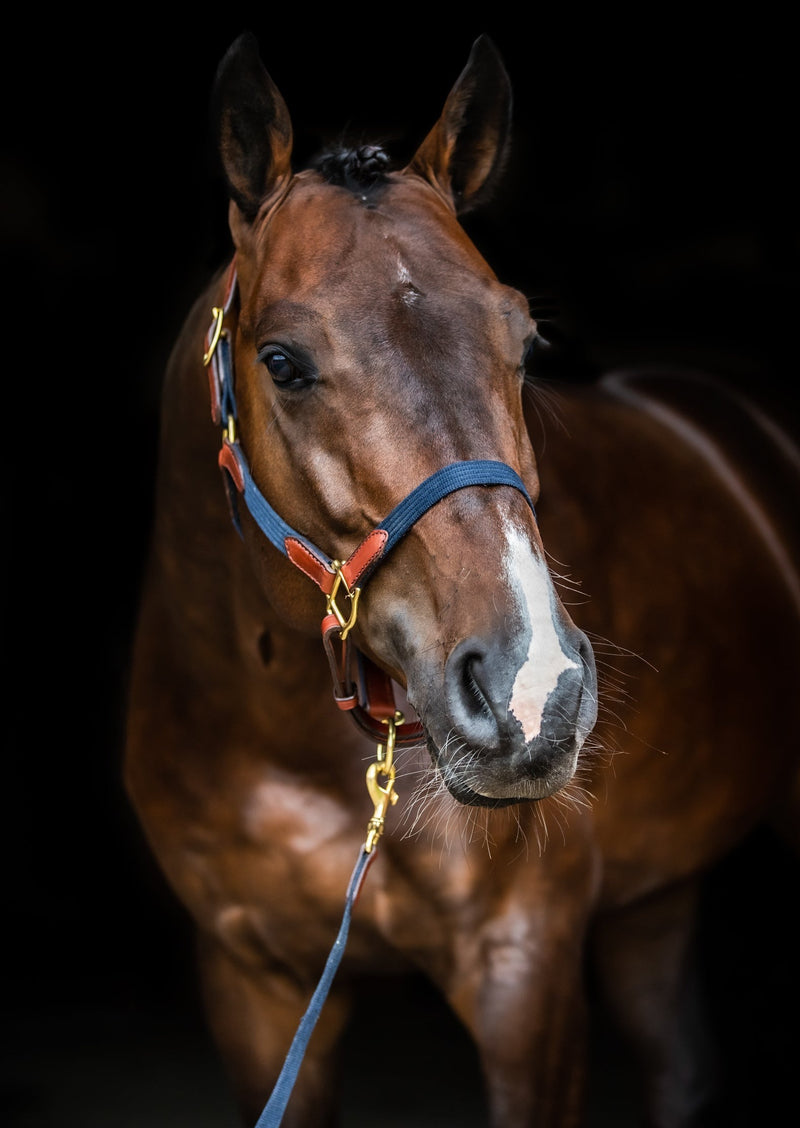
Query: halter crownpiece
[371,701]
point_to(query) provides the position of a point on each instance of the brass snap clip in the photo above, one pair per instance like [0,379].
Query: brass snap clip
[383,796]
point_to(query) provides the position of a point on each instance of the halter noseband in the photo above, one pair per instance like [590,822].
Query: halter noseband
[371,701]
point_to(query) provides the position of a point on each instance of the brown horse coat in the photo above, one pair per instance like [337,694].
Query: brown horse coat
[372,344]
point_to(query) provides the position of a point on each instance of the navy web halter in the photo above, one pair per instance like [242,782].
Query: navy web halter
[371,701]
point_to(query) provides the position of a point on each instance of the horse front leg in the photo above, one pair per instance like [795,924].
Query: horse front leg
[521,996]
[253,1013]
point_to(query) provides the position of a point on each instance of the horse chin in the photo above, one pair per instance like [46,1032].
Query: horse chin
[495,794]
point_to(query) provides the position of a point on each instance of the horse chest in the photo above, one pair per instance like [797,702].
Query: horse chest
[275,886]
[269,879]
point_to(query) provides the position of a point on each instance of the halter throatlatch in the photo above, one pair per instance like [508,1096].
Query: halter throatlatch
[370,697]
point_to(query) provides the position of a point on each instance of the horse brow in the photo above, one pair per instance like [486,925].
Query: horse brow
[285,311]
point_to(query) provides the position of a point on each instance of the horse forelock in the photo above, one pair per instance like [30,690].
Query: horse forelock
[362,169]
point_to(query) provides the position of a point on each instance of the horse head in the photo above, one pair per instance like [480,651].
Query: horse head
[372,346]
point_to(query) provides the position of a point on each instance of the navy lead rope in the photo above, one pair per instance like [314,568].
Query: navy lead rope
[275,1107]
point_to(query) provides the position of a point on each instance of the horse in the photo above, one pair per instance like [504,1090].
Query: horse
[370,521]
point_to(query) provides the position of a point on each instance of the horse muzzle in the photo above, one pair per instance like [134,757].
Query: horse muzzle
[505,729]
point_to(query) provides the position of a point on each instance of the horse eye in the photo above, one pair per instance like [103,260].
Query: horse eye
[535,345]
[285,372]
[527,356]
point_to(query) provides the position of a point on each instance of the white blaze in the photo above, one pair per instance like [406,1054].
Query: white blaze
[408,291]
[546,660]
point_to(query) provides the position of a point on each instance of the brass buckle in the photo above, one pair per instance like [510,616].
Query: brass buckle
[351,593]
[229,432]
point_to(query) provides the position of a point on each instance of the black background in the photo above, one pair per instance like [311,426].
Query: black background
[650,205]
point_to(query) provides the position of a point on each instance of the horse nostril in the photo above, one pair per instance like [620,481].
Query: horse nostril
[474,692]
[474,697]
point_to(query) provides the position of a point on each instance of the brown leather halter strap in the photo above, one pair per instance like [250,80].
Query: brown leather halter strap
[369,698]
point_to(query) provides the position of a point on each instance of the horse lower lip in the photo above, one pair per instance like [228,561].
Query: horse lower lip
[465,795]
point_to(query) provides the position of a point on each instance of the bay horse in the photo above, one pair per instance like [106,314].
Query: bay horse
[349,527]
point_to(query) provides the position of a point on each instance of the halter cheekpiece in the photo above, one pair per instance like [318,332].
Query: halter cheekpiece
[370,699]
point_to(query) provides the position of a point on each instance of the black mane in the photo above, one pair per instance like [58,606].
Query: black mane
[361,169]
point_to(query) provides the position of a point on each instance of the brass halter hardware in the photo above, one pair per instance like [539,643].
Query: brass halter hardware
[351,593]
[384,796]
[218,314]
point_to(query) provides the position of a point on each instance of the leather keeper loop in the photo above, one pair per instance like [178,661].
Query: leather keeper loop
[228,461]
[339,659]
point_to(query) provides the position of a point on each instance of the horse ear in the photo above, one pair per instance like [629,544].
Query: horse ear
[252,127]
[464,153]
